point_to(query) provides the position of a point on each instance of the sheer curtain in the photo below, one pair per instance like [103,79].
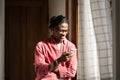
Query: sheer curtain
[94,40]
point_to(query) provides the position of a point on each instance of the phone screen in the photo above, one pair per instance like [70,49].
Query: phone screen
[73,50]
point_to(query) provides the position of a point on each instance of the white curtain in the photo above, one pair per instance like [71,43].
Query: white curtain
[94,40]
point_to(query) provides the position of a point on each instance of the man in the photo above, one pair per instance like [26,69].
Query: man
[54,59]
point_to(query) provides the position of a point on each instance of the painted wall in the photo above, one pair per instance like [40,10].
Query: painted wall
[56,7]
[1,39]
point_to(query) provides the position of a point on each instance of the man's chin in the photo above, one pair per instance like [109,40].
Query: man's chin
[62,39]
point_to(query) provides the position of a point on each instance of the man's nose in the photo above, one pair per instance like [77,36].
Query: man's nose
[64,33]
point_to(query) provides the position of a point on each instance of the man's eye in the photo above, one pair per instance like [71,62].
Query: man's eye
[63,30]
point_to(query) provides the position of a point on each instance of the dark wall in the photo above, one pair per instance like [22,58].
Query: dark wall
[26,23]
[117,29]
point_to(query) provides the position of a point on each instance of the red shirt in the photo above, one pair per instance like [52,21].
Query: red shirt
[46,52]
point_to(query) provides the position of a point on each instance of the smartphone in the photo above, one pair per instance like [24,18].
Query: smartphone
[73,50]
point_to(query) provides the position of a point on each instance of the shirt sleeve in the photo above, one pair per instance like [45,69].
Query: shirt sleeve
[68,70]
[41,67]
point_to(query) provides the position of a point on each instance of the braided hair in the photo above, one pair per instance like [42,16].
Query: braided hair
[57,20]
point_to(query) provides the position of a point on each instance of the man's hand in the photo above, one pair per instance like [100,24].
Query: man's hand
[66,56]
